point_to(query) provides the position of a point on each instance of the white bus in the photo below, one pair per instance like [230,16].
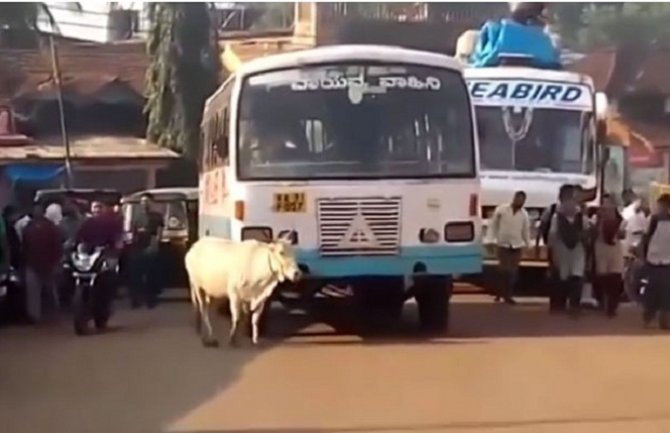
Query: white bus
[538,129]
[366,156]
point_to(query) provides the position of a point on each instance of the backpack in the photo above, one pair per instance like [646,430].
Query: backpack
[546,225]
[653,223]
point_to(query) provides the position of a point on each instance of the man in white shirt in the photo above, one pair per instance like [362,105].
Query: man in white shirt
[656,252]
[510,227]
[636,221]
[21,224]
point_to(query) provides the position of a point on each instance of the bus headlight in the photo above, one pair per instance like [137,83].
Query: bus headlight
[263,234]
[459,232]
[429,236]
[173,223]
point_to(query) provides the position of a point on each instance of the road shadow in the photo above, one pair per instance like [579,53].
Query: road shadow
[474,317]
[477,316]
[524,425]
[139,377]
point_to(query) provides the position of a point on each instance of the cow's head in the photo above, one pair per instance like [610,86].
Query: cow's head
[282,261]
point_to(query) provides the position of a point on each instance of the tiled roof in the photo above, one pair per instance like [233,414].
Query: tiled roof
[86,68]
[620,71]
[92,147]
[599,65]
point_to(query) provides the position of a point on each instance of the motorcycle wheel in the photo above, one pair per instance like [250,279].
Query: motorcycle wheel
[79,314]
[101,321]
[102,308]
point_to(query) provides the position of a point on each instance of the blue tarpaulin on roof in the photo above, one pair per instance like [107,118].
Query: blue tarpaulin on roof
[33,172]
[510,38]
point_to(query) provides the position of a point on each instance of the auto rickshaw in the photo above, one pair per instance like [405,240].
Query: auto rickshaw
[179,207]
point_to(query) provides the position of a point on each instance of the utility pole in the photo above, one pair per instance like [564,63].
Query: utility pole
[61,109]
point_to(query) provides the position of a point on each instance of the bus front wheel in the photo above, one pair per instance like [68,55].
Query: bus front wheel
[433,294]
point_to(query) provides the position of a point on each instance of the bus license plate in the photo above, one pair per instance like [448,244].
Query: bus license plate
[290,202]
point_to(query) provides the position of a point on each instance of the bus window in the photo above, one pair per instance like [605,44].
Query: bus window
[222,138]
[355,121]
[216,131]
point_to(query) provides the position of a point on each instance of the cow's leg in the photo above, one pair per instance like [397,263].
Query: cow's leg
[197,308]
[208,339]
[256,316]
[235,316]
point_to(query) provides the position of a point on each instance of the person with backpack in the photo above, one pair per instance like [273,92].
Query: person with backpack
[608,255]
[568,233]
[656,252]
[564,192]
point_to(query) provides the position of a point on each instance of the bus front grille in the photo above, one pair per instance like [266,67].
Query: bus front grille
[359,226]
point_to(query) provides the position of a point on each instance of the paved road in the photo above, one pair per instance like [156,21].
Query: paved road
[501,370]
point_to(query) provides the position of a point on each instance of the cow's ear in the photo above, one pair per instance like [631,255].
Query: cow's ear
[286,237]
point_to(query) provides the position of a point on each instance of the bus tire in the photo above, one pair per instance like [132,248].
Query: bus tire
[433,295]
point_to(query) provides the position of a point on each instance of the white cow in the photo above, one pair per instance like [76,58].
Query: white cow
[245,273]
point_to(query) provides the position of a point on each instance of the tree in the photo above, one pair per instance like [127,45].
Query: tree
[183,72]
[630,24]
[588,25]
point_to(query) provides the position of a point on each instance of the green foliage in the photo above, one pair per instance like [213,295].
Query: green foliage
[589,25]
[638,24]
[183,72]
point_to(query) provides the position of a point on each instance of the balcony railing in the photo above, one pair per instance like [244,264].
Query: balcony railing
[417,12]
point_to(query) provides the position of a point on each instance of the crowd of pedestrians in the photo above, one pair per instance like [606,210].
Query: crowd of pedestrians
[34,244]
[613,252]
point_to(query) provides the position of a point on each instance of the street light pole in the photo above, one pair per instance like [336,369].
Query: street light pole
[61,109]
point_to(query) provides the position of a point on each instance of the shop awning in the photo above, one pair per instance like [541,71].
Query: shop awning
[33,172]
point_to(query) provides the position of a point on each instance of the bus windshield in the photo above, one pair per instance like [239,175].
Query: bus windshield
[355,121]
[540,140]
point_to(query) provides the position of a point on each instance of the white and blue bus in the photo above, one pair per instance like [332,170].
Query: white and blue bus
[365,156]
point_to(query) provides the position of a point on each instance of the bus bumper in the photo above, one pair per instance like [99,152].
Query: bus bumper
[436,260]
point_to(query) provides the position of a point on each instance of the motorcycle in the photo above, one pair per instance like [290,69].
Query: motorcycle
[94,274]
[9,281]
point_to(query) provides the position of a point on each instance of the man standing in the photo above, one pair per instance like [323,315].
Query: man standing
[144,260]
[102,229]
[656,246]
[42,248]
[511,230]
